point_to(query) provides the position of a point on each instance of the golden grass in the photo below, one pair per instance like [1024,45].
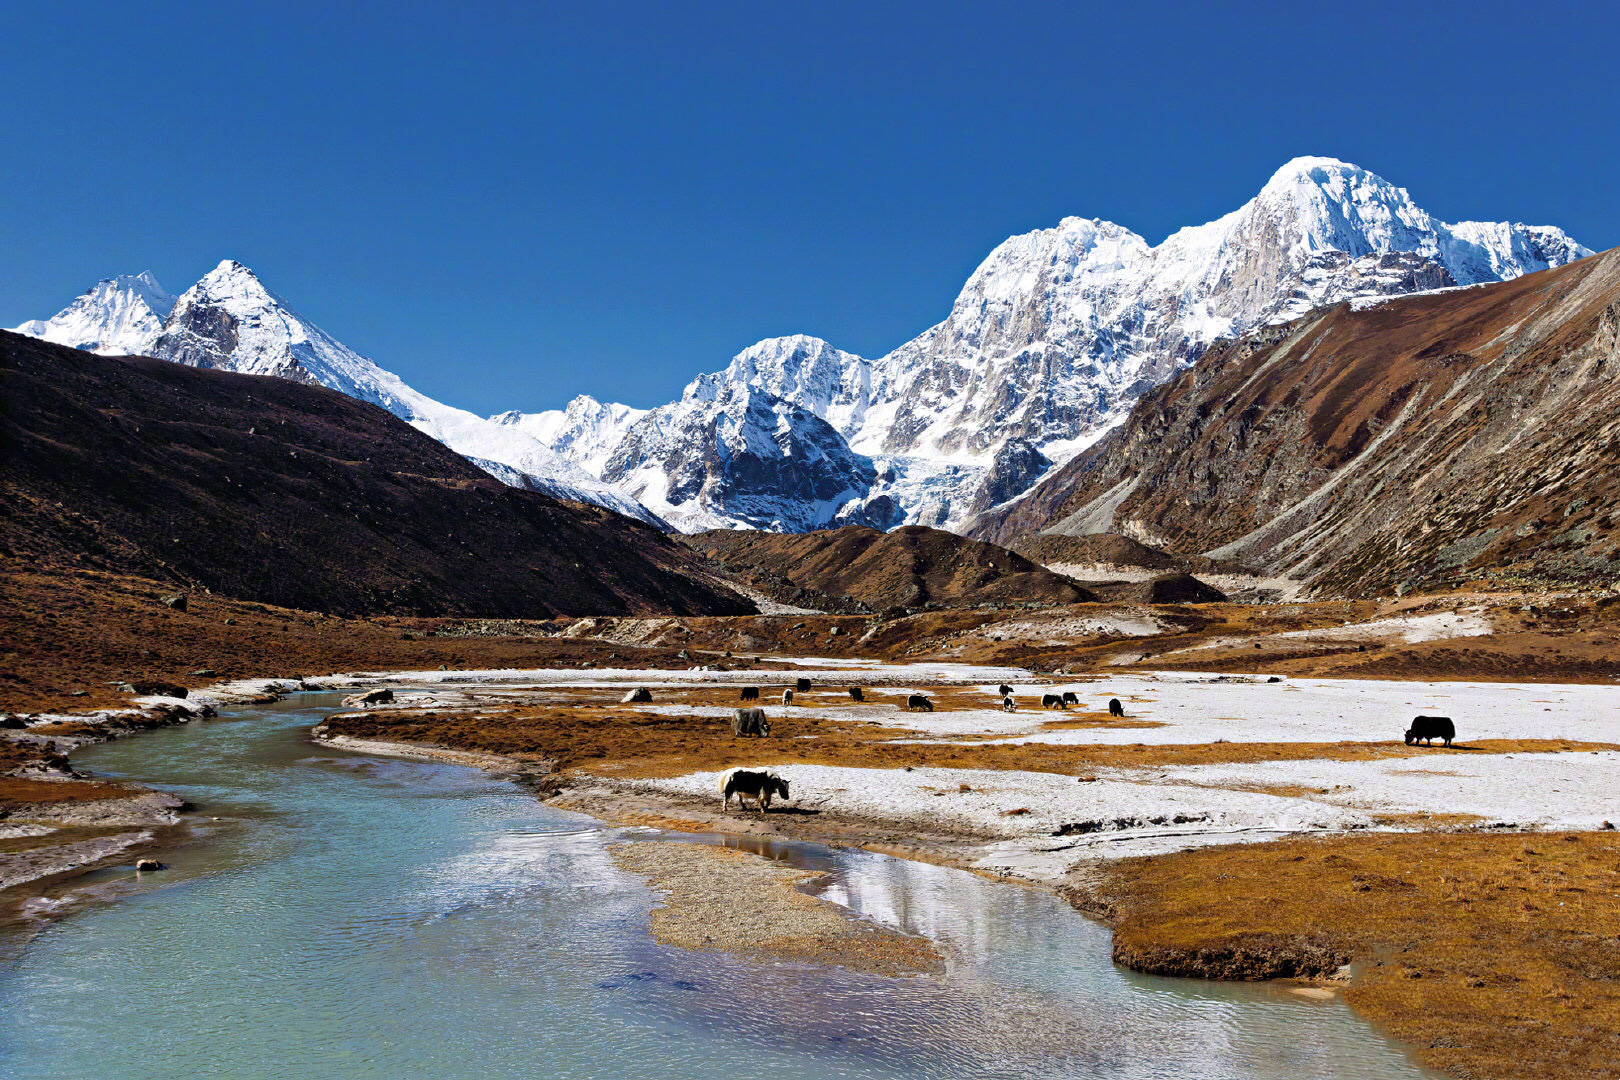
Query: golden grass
[1493,955]
[626,742]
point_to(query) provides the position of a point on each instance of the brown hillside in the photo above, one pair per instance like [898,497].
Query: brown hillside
[1470,435]
[913,567]
[271,490]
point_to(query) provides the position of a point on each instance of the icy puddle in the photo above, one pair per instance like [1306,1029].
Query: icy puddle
[352,916]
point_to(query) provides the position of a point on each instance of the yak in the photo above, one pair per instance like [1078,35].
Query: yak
[801,685]
[640,693]
[1052,701]
[856,694]
[751,722]
[1008,704]
[1070,698]
[787,697]
[1430,728]
[1003,689]
[757,784]
[918,703]
[1115,708]
[750,693]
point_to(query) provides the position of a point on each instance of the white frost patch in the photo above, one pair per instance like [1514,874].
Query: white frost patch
[1542,791]
[1038,824]
[1206,708]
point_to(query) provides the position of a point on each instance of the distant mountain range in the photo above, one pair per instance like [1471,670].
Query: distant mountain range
[1053,339]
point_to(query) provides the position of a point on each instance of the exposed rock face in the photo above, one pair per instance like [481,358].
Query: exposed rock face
[771,464]
[1372,447]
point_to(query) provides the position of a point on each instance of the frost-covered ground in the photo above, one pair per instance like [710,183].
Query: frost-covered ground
[1039,825]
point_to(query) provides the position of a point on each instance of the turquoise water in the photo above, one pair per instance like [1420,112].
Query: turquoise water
[349,916]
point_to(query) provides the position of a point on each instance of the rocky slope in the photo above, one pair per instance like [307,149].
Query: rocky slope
[281,492]
[1372,447]
[229,321]
[911,567]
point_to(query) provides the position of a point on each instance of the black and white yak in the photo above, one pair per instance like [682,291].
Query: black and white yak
[761,785]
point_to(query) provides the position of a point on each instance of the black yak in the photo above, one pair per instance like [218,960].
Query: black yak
[1430,728]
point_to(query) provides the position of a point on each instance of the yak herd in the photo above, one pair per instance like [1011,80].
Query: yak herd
[761,785]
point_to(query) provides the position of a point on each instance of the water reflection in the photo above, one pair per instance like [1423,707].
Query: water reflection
[356,917]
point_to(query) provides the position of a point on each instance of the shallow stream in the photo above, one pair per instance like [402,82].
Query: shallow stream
[343,916]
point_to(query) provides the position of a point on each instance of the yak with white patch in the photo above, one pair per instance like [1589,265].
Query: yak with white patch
[1008,704]
[1070,698]
[1052,701]
[640,693]
[1429,728]
[761,785]
[787,697]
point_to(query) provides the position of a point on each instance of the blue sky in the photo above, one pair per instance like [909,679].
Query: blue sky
[510,205]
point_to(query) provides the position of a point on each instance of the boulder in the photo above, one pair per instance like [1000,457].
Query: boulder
[150,687]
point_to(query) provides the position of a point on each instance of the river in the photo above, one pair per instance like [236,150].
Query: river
[341,916]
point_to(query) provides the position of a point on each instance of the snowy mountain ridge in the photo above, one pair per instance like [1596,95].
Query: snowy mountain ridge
[1059,331]
[1050,342]
[229,321]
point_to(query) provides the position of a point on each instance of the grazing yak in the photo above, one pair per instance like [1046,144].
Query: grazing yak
[1052,701]
[751,722]
[918,703]
[787,697]
[750,693]
[1008,704]
[1115,708]
[1070,698]
[856,694]
[1004,690]
[801,685]
[761,785]
[640,693]
[1430,728]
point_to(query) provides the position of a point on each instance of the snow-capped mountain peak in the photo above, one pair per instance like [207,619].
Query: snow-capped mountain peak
[117,316]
